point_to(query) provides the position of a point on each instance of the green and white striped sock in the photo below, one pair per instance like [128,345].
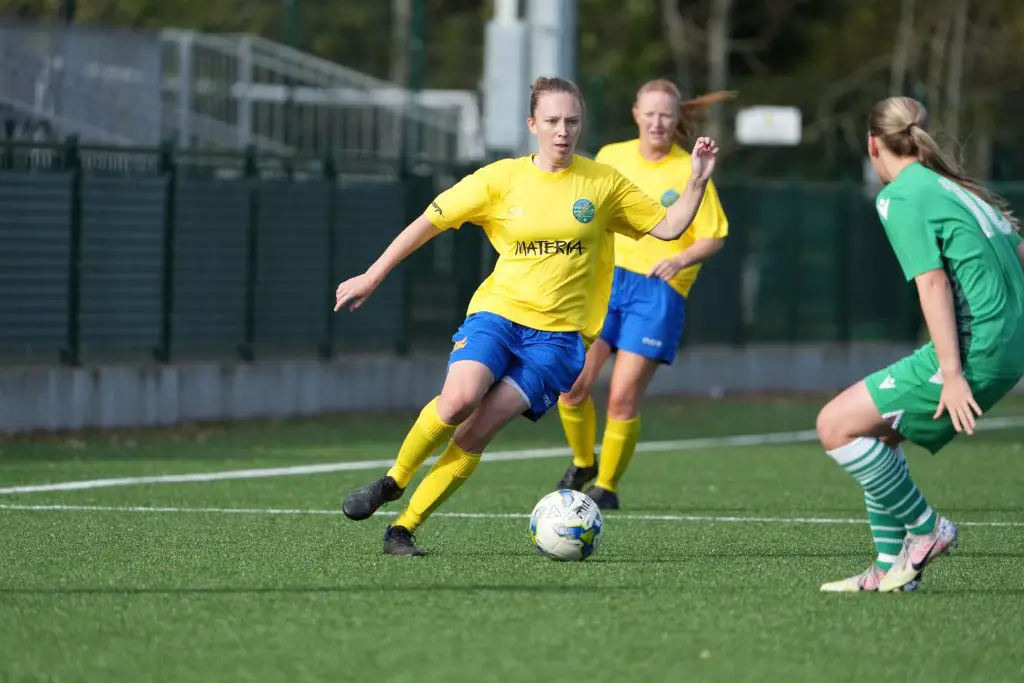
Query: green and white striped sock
[886,532]
[883,473]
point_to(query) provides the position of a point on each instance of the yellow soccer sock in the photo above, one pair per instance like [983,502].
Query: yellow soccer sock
[617,449]
[580,425]
[425,437]
[444,478]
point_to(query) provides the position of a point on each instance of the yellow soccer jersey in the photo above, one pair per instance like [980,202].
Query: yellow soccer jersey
[553,233]
[665,181]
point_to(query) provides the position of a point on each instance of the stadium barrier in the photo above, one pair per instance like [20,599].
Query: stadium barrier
[135,278]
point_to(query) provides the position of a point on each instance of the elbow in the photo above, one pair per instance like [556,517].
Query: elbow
[666,232]
[660,231]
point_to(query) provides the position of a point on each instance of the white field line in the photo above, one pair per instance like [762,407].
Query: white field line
[496,456]
[460,515]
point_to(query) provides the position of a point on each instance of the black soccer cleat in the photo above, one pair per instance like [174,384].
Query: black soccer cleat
[576,478]
[364,501]
[605,499]
[399,541]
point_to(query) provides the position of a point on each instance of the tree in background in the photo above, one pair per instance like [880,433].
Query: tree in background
[830,58]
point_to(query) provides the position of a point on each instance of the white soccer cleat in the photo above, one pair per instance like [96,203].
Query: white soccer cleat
[867,580]
[917,552]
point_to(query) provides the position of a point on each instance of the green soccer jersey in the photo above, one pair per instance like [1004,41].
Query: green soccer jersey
[933,222]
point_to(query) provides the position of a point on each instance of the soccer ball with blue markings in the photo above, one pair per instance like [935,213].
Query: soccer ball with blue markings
[566,525]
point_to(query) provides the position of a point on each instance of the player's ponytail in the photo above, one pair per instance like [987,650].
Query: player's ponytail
[691,112]
[900,123]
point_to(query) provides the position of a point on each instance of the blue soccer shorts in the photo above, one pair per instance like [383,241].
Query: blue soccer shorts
[645,316]
[539,365]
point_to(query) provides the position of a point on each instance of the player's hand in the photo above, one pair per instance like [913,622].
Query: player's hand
[666,269]
[702,161]
[354,292]
[958,400]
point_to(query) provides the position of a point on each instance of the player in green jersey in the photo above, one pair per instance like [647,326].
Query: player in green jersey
[960,246]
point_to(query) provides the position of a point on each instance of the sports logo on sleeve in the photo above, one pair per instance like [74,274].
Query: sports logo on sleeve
[583,210]
[883,208]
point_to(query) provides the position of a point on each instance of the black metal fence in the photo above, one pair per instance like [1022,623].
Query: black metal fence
[130,254]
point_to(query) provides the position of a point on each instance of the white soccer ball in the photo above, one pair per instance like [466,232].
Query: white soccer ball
[566,525]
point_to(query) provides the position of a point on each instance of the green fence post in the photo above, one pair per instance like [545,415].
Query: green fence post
[246,350]
[71,353]
[169,170]
[412,208]
[794,256]
[739,239]
[7,158]
[842,248]
[330,171]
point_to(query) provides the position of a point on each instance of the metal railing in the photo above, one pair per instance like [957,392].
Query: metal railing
[124,87]
[101,85]
[274,96]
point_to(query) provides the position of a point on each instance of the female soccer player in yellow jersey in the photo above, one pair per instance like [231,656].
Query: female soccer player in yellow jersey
[644,320]
[550,217]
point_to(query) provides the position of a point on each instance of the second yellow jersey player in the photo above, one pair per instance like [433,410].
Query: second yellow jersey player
[664,180]
[643,321]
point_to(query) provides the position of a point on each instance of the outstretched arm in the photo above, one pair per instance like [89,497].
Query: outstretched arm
[356,290]
[681,214]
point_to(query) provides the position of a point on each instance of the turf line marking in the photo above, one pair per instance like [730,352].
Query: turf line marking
[459,515]
[808,435]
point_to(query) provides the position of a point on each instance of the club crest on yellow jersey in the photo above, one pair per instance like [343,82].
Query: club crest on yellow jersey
[669,198]
[583,210]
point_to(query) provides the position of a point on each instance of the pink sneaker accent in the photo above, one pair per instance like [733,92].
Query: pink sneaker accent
[918,552]
[868,580]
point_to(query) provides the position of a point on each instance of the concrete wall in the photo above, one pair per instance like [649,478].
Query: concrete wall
[61,398]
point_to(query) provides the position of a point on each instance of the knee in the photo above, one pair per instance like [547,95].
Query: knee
[831,430]
[576,396]
[456,404]
[623,405]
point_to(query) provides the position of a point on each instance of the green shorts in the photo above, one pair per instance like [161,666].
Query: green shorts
[907,393]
